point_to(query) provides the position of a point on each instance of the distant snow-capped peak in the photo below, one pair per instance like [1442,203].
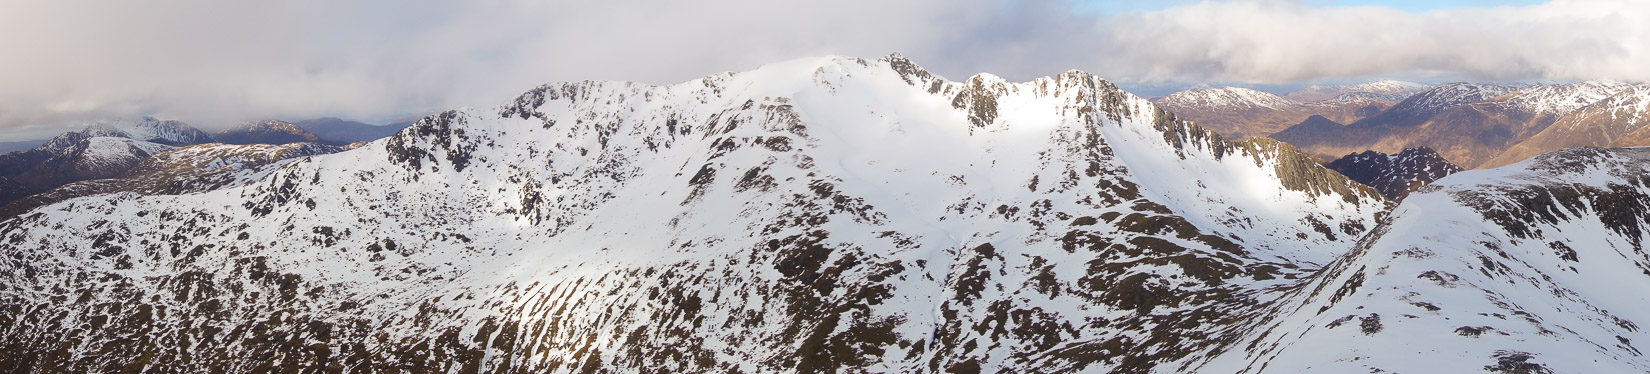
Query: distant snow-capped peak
[149,129]
[1449,95]
[1234,98]
[1385,89]
[1559,99]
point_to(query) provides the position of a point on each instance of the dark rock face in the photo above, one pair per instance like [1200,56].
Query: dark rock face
[266,132]
[1395,175]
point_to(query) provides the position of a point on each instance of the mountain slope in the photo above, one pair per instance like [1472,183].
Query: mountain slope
[1397,174]
[1538,267]
[1602,123]
[93,153]
[149,129]
[1241,112]
[190,169]
[265,132]
[817,215]
[1424,105]
[1469,124]
[1385,89]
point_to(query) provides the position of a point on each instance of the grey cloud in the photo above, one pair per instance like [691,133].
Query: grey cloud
[1280,41]
[215,63]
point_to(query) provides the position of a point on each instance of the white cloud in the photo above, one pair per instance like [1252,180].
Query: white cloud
[214,63]
[1279,41]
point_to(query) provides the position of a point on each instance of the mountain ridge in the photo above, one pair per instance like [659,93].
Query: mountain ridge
[886,220]
[1469,124]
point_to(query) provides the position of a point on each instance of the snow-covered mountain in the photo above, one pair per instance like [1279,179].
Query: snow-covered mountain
[1385,89]
[1561,99]
[1469,124]
[830,214]
[1227,98]
[1538,267]
[1424,105]
[1240,112]
[149,129]
[96,152]
[1621,119]
[1395,175]
[99,158]
[190,169]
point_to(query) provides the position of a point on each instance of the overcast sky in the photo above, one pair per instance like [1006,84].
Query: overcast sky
[215,63]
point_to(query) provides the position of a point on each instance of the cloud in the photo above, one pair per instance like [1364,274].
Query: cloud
[217,63]
[1280,41]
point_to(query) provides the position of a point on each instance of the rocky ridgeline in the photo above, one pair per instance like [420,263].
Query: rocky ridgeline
[1395,175]
[818,215]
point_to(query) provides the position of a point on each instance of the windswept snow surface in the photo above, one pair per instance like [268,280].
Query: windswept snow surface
[1539,265]
[819,214]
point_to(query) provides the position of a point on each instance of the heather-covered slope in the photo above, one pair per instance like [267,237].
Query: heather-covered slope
[817,215]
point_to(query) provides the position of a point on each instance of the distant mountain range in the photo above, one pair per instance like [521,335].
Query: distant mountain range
[337,131]
[1469,124]
[1472,125]
[102,150]
[1621,119]
[108,150]
[1385,90]
[1241,112]
[265,132]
